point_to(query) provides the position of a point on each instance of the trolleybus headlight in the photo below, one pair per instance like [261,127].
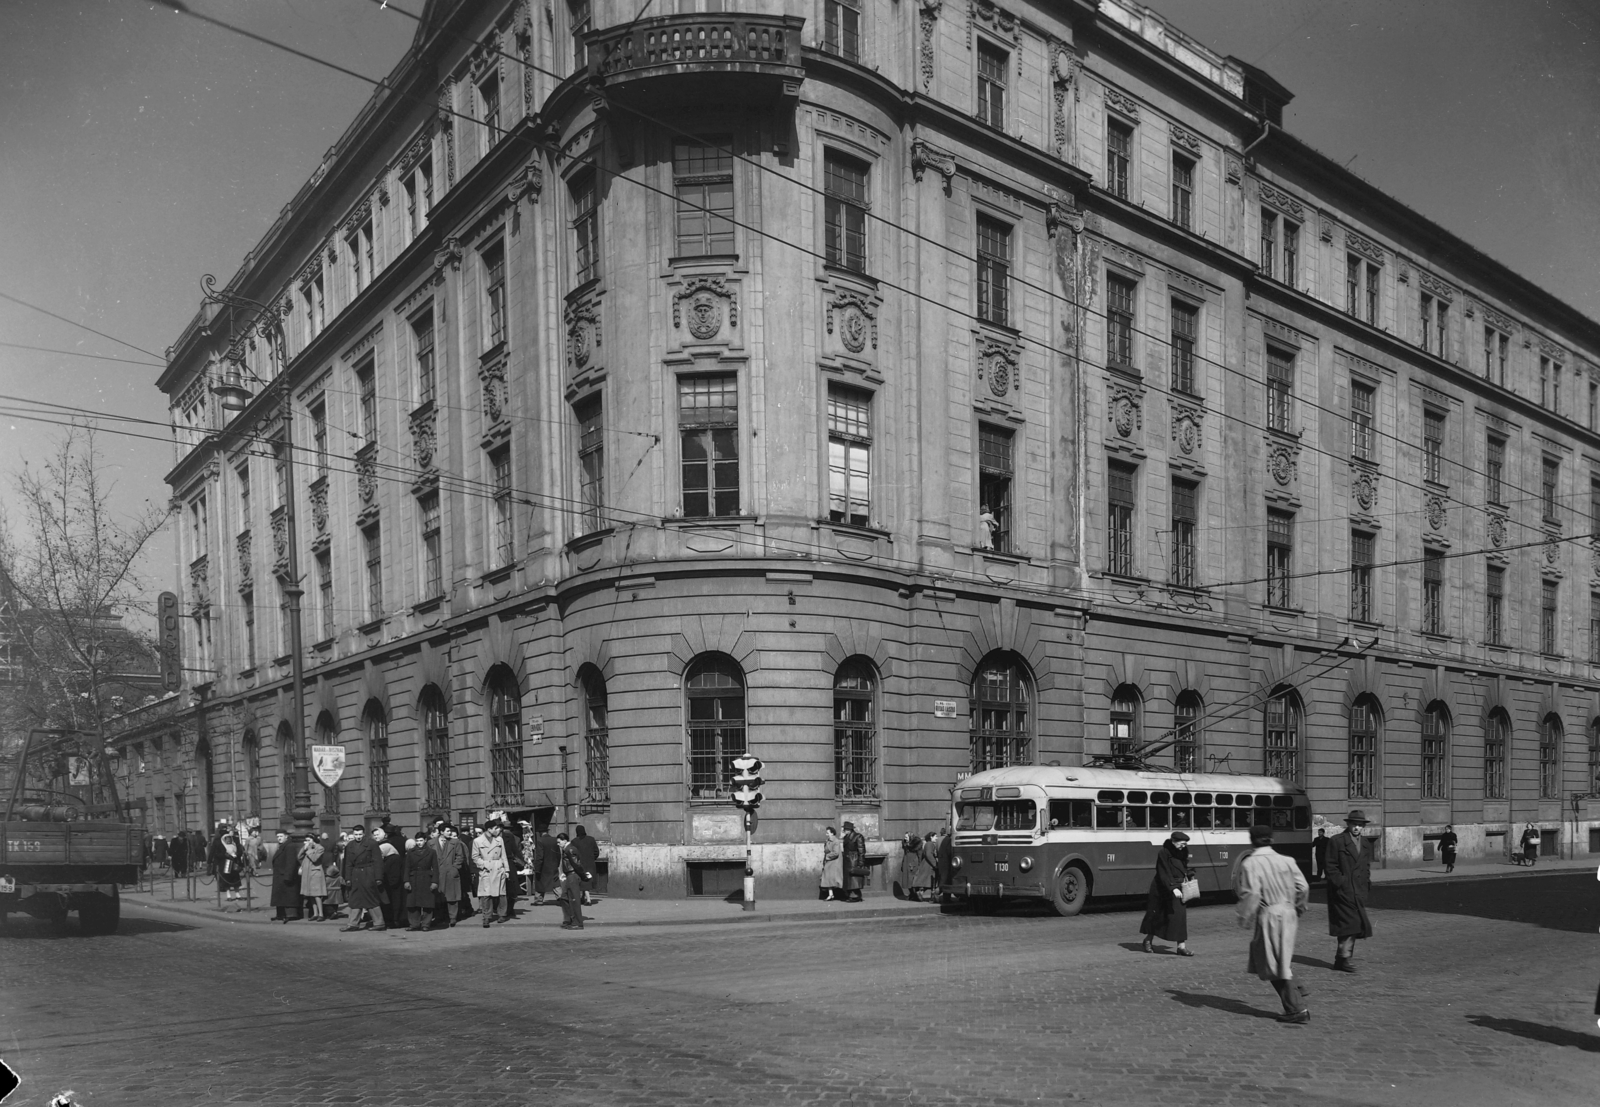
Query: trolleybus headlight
[955,861]
[1025,864]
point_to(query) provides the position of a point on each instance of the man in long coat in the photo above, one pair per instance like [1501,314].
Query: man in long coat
[489,858]
[285,880]
[1349,883]
[1273,894]
[855,858]
[178,853]
[422,881]
[547,866]
[587,851]
[361,872]
[452,857]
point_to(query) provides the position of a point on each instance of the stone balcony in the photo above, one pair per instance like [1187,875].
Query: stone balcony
[694,56]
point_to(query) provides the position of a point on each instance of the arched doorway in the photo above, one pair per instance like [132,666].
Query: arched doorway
[208,794]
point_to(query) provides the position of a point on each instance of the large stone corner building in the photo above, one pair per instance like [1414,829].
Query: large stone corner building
[891,389]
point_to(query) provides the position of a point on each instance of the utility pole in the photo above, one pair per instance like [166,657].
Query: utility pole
[236,398]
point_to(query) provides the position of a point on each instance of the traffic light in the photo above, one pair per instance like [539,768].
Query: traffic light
[747,782]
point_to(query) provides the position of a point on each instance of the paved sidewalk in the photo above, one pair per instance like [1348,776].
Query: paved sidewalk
[1433,872]
[607,913]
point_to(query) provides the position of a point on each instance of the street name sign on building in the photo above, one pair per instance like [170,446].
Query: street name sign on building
[944,709]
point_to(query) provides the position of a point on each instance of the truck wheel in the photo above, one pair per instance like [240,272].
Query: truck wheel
[101,914]
[1071,892]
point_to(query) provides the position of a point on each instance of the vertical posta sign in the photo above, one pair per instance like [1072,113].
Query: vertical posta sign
[170,648]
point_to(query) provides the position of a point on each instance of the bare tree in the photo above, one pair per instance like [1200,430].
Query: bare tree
[68,574]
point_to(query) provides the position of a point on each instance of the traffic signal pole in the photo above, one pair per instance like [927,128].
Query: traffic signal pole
[747,797]
[749,867]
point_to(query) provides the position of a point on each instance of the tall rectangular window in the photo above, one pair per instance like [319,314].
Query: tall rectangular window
[1594,628]
[841,24]
[372,541]
[1280,390]
[582,19]
[319,436]
[993,64]
[419,195]
[422,355]
[1185,518]
[359,250]
[995,475]
[1494,606]
[1435,753]
[1550,735]
[1594,506]
[994,271]
[367,399]
[708,428]
[849,455]
[1280,558]
[1185,330]
[243,473]
[325,592]
[1433,445]
[489,108]
[585,230]
[1121,502]
[1183,191]
[494,294]
[1549,616]
[1291,253]
[1361,577]
[504,529]
[702,182]
[1363,402]
[1549,482]
[1494,757]
[1594,406]
[1363,767]
[1119,157]
[432,548]
[1496,350]
[1120,294]
[248,601]
[1269,241]
[1425,329]
[592,461]
[1432,592]
[1352,285]
[845,186]
[316,306]
[1495,468]
[1372,293]
[1361,282]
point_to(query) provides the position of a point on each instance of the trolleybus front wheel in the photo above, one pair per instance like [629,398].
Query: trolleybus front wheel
[1071,891]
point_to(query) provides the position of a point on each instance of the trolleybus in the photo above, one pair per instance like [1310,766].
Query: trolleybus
[1063,833]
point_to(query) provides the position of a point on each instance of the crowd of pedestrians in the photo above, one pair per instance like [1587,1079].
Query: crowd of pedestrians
[383,879]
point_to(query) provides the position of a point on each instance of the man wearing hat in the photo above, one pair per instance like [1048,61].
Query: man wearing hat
[1349,883]
[1273,894]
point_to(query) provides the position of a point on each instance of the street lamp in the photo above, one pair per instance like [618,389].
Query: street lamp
[235,398]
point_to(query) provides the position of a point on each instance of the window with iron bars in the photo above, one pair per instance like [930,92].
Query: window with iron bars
[1494,756]
[716,725]
[505,739]
[1001,725]
[1282,744]
[1435,753]
[855,733]
[1363,754]
[1187,733]
[1550,735]
[596,743]
[376,724]
[435,750]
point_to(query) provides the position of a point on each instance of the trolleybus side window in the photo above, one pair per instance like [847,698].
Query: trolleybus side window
[1074,813]
[1004,815]
[1106,814]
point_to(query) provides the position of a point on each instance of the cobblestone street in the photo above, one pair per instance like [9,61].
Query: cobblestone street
[1473,992]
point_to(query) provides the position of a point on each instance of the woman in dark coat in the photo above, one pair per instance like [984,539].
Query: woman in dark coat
[285,880]
[1447,848]
[547,866]
[1165,914]
[855,859]
[422,881]
[361,873]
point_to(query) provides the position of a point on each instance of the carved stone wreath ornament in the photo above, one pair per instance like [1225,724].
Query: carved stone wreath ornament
[1126,413]
[1436,515]
[1281,464]
[1364,487]
[1497,530]
[706,298]
[1552,550]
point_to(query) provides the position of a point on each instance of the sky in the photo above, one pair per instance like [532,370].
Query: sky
[140,149]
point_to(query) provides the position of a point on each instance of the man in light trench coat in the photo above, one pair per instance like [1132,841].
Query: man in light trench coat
[1273,894]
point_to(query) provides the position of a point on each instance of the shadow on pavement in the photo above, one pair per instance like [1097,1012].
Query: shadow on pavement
[1552,1035]
[1220,1003]
[1560,901]
[27,928]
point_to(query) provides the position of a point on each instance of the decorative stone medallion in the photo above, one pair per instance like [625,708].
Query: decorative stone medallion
[319,506]
[366,478]
[1364,487]
[1497,530]
[1186,429]
[1436,514]
[853,329]
[1552,550]
[1281,464]
[1124,414]
[423,440]
[999,376]
[704,316]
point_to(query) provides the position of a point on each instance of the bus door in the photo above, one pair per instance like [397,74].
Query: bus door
[1123,856]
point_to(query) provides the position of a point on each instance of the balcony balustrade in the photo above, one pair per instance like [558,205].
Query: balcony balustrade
[762,50]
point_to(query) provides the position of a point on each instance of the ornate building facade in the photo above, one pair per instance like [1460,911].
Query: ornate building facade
[890,390]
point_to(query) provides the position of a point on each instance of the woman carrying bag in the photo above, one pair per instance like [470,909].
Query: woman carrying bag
[832,880]
[313,879]
[1166,914]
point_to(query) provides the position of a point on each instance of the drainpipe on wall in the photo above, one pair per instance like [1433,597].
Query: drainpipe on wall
[566,806]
